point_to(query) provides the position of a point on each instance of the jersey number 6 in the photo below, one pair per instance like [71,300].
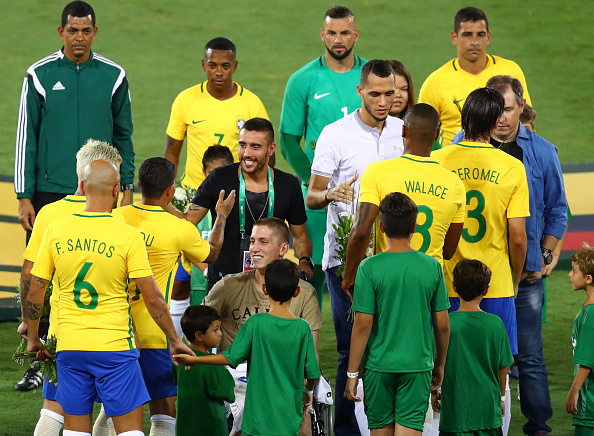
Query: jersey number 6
[80,284]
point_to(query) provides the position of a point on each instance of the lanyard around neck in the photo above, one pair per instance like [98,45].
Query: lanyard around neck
[242,200]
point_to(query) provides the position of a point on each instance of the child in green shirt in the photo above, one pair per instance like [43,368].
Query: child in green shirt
[580,400]
[397,294]
[478,360]
[202,390]
[279,349]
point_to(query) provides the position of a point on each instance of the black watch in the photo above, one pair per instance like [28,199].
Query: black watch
[309,260]
[127,187]
[547,255]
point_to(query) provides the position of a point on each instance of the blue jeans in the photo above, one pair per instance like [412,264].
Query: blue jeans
[344,409]
[534,385]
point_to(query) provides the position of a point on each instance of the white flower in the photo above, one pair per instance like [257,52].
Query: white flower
[180,194]
[346,215]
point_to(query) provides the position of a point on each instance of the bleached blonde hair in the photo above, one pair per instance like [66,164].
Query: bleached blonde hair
[94,150]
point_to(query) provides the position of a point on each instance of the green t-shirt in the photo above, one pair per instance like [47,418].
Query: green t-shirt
[280,354]
[200,395]
[317,96]
[471,393]
[582,339]
[400,290]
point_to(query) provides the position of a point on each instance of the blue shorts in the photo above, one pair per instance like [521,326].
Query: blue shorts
[156,367]
[49,390]
[113,375]
[182,275]
[504,308]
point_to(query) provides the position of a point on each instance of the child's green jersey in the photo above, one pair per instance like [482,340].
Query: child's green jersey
[471,391]
[280,354]
[200,395]
[400,290]
[582,339]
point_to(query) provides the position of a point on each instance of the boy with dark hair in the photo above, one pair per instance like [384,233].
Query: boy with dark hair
[400,290]
[580,400]
[478,360]
[279,349]
[202,389]
[528,117]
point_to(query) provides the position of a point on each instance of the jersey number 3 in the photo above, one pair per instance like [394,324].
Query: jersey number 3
[477,215]
[81,284]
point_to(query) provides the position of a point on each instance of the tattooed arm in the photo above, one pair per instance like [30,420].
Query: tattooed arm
[25,284]
[31,315]
[302,246]
[358,241]
[157,308]
[217,234]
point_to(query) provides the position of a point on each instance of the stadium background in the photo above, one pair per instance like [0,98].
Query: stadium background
[160,46]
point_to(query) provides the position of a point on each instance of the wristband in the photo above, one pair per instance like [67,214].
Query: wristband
[353,374]
[127,187]
[503,398]
[579,389]
[307,391]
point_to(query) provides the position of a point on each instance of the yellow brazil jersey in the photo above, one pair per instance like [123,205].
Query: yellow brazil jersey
[446,90]
[91,255]
[496,189]
[208,121]
[49,214]
[439,196]
[165,237]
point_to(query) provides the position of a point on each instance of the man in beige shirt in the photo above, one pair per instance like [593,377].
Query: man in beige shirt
[238,296]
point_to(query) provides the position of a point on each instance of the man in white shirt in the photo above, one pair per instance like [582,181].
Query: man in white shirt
[343,151]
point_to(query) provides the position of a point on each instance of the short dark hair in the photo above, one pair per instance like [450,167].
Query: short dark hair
[401,70]
[502,83]
[469,14]
[260,125]
[281,278]
[155,175]
[278,226]
[378,67]
[584,258]
[338,12]
[398,214]
[215,153]
[528,115]
[198,319]
[77,9]
[482,108]
[471,278]
[220,43]
[425,113]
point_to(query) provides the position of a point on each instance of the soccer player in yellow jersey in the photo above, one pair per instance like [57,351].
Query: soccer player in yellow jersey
[166,237]
[438,194]
[92,254]
[212,112]
[496,205]
[446,88]
[51,416]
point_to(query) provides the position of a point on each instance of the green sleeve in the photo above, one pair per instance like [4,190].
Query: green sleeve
[364,294]
[27,136]
[312,369]
[241,347]
[440,300]
[295,156]
[121,111]
[220,384]
[583,353]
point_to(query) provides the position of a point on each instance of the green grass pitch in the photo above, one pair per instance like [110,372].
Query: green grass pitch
[160,46]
